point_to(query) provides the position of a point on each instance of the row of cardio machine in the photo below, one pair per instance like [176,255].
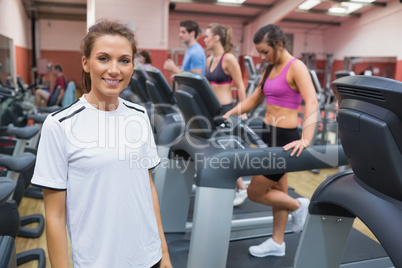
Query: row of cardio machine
[198,147]
[17,158]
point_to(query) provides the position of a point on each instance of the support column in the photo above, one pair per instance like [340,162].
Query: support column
[149,20]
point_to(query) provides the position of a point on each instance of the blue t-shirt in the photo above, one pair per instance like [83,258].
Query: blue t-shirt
[194,59]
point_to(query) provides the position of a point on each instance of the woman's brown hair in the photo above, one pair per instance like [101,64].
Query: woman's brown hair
[225,36]
[101,28]
[271,34]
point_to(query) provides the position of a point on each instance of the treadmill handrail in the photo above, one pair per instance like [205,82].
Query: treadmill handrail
[210,166]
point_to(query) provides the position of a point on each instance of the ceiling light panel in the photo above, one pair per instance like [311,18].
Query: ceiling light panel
[363,1]
[337,10]
[309,4]
[232,1]
[351,7]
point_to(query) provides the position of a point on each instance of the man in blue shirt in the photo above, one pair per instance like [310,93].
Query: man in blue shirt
[194,59]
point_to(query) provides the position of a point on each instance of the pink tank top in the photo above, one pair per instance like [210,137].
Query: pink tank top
[279,93]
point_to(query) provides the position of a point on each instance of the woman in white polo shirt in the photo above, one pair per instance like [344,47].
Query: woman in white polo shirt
[94,162]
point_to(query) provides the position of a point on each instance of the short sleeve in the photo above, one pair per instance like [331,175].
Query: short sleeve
[51,160]
[197,61]
[60,81]
[151,150]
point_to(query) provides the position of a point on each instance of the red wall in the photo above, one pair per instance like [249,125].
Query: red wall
[23,63]
[158,57]
[398,70]
[386,69]
[70,61]
[336,66]
[256,60]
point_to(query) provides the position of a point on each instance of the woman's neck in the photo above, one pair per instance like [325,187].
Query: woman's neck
[218,51]
[283,58]
[102,103]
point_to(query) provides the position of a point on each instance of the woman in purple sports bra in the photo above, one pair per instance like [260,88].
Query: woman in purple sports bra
[222,66]
[285,83]
[222,70]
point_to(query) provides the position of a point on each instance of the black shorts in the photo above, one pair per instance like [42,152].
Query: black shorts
[156,265]
[278,137]
[227,107]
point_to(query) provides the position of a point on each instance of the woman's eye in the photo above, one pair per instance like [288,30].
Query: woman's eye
[102,58]
[125,61]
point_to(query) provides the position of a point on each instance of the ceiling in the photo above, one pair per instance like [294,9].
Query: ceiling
[317,17]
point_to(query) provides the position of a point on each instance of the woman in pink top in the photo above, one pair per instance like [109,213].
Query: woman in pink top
[285,83]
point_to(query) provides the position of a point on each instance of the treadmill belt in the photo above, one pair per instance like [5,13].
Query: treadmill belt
[247,209]
[358,248]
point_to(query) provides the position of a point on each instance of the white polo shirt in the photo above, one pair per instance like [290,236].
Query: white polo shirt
[102,159]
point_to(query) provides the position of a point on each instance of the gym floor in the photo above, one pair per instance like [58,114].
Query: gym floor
[304,183]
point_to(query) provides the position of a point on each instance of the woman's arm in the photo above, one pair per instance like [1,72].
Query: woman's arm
[303,82]
[56,234]
[248,104]
[165,262]
[208,64]
[232,67]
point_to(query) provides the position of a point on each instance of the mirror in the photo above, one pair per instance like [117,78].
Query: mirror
[376,66]
[6,63]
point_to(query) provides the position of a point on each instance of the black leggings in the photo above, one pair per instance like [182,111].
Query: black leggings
[156,265]
[227,107]
[277,137]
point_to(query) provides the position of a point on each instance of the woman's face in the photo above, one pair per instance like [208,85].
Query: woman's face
[209,39]
[266,52]
[110,65]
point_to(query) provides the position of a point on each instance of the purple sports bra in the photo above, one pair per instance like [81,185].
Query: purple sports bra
[218,76]
[279,93]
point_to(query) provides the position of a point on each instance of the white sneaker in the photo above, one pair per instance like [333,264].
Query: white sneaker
[299,215]
[239,197]
[268,248]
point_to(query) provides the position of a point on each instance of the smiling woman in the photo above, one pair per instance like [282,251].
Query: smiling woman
[89,144]
[108,56]
[110,66]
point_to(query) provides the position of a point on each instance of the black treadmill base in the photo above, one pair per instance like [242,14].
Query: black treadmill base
[358,248]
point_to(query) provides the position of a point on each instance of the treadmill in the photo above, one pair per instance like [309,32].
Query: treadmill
[252,83]
[253,77]
[370,128]
[168,126]
[217,152]
[137,86]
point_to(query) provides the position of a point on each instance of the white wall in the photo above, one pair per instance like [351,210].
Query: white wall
[376,34]
[61,35]
[307,42]
[304,41]
[149,19]
[272,16]
[14,23]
